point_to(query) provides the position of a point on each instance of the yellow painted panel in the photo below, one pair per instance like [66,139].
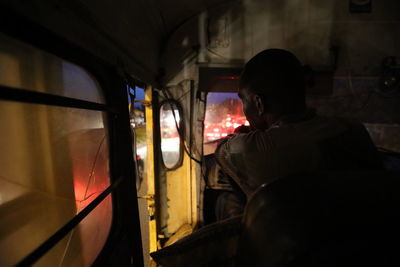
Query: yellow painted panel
[179,194]
[150,169]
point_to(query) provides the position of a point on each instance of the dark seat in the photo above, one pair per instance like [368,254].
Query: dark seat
[329,219]
[340,218]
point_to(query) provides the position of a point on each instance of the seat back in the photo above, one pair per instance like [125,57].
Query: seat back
[340,218]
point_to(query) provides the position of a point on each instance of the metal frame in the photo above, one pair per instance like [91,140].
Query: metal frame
[22,95]
[124,241]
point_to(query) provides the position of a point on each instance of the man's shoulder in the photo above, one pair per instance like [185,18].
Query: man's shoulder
[348,123]
[247,141]
[319,127]
[314,129]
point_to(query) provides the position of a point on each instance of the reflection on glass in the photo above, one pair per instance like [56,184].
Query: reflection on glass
[223,114]
[53,163]
[170,140]
[26,67]
[82,245]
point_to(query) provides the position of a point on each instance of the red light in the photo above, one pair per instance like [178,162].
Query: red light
[229,77]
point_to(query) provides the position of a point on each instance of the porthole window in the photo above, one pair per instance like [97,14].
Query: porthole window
[171,145]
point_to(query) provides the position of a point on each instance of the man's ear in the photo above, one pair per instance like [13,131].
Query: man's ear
[260,106]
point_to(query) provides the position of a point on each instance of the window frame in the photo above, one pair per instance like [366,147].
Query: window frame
[125,227]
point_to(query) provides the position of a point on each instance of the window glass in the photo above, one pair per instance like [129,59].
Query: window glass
[26,67]
[138,124]
[137,108]
[223,114]
[53,163]
[170,139]
[82,245]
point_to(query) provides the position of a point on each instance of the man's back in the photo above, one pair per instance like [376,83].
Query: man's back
[296,144]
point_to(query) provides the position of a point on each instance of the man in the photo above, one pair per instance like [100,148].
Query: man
[285,136]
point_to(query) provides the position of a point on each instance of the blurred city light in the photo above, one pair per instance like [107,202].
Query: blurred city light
[223,114]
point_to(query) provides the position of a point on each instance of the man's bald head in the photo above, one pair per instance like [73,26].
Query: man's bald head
[272,84]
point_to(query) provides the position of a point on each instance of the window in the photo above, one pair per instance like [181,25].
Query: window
[53,160]
[26,67]
[223,114]
[138,125]
[170,118]
[141,116]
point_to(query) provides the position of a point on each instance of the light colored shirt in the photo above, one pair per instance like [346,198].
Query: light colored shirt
[290,146]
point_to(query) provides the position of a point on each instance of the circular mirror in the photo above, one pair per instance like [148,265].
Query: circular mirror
[171,149]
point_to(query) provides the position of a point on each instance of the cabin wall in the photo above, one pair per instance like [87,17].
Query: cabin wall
[182,187]
[180,196]
[309,28]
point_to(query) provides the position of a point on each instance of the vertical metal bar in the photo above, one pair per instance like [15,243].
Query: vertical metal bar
[150,167]
[128,193]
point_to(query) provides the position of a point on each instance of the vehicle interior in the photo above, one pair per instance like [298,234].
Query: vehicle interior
[111,113]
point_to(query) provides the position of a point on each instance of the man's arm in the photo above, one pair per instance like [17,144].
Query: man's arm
[229,162]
